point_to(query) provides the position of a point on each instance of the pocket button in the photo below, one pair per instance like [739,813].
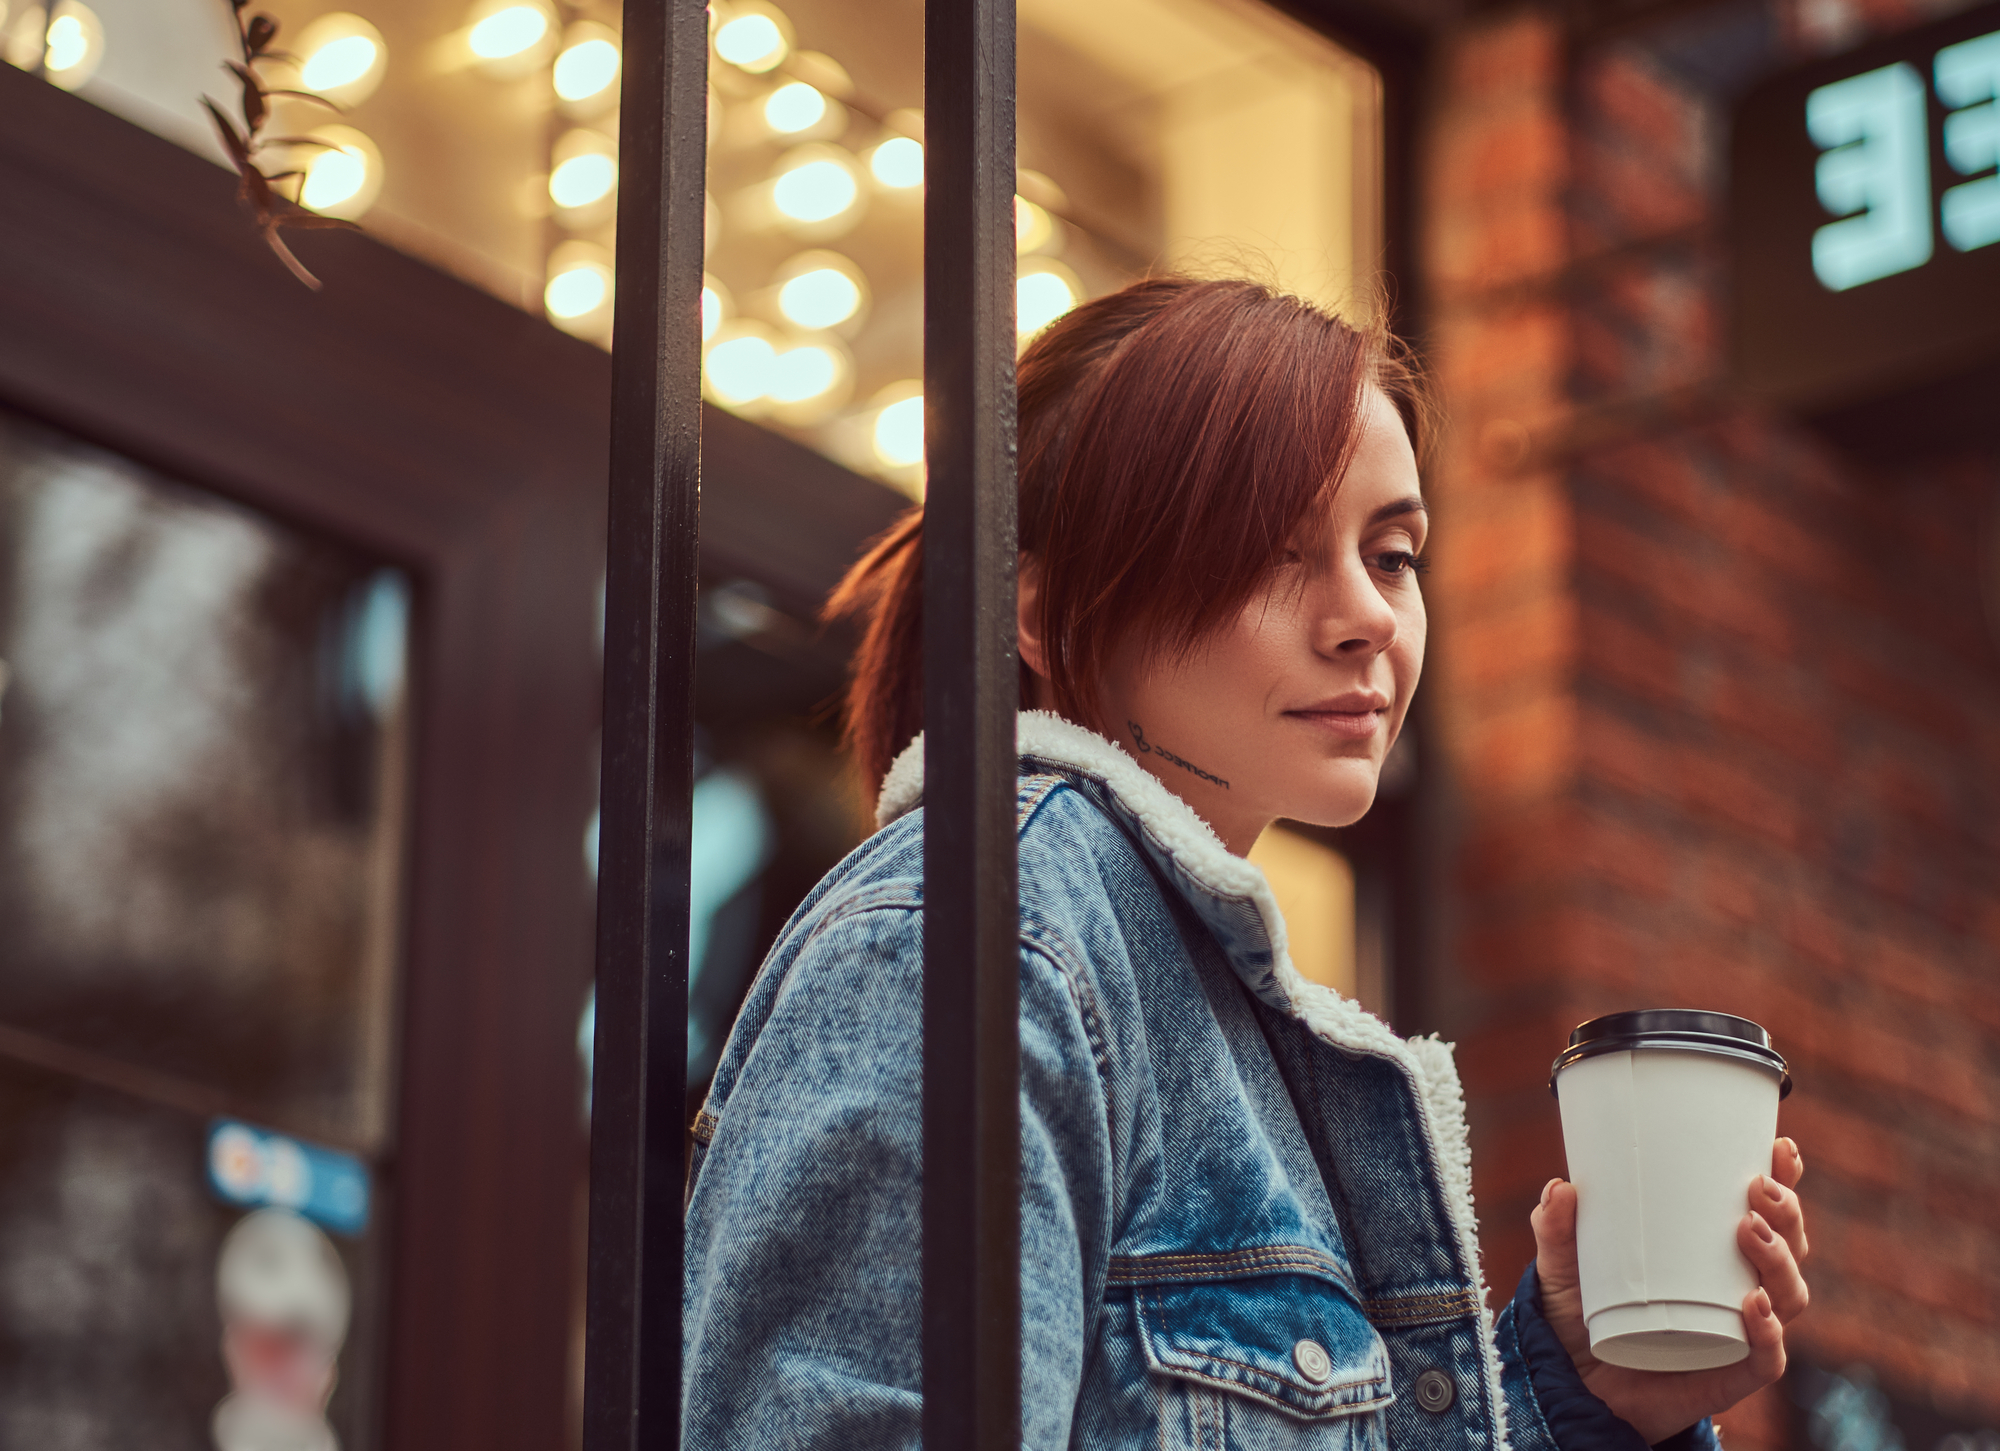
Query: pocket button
[1435,1392]
[1313,1361]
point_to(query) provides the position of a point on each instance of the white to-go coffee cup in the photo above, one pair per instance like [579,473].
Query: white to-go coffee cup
[1667,1115]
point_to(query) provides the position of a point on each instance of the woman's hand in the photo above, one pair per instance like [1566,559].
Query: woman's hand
[1772,1237]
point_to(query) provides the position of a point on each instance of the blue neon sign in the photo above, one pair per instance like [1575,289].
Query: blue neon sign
[1874,174]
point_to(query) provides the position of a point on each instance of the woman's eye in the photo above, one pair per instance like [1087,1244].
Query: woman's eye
[1401,561]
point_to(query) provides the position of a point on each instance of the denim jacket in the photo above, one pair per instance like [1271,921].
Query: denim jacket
[1246,1203]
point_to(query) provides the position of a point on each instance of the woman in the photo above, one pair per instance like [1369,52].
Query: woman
[1246,1206]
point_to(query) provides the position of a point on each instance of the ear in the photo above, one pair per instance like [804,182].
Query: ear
[1028,592]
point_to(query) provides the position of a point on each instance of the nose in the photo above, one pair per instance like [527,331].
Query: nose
[1351,617]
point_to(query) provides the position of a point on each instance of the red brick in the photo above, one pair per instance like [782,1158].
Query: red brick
[1522,647]
[1521,55]
[1661,474]
[1526,749]
[1635,101]
[1915,1271]
[1837,1142]
[1626,857]
[1513,849]
[1615,753]
[1734,794]
[1730,889]
[1781,542]
[1767,707]
[1639,660]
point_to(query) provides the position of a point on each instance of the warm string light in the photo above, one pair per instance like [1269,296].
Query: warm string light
[777,353]
[342,58]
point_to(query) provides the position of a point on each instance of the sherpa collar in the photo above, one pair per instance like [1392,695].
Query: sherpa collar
[1232,896]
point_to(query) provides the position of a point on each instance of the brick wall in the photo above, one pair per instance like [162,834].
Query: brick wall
[1720,707]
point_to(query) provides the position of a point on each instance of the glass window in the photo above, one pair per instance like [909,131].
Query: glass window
[203,750]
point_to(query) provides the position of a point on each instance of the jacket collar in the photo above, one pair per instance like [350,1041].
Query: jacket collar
[1229,893]
[1233,898]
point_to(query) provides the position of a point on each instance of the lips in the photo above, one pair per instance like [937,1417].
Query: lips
[1355,714]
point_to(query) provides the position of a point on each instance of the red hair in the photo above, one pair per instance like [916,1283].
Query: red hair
[1173,437]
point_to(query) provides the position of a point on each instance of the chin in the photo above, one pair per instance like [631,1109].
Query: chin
[1342,795]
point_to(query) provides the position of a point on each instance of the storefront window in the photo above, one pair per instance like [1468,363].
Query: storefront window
[203,751]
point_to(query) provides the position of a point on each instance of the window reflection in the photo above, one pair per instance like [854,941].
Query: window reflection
[201,757]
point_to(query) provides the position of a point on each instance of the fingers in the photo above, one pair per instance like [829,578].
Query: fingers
[1554,1222]
[1787,1164]
[1761,1322]
[1782,1210]
[1771,1257]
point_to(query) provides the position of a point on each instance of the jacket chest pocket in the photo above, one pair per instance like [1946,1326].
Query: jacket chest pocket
[1279,1360]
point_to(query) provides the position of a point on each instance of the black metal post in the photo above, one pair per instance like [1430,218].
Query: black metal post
[972,1131]
[632,1370]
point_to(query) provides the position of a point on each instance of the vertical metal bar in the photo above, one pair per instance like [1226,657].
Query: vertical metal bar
[632,1373]
[972,1131]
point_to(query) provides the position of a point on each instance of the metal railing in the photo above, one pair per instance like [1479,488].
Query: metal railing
[971,1211]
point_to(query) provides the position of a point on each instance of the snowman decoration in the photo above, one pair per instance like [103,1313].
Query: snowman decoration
[285,1304]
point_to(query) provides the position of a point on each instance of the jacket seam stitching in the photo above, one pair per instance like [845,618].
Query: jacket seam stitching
[1054,950]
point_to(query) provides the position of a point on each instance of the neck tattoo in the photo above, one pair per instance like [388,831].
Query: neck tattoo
[1147,748]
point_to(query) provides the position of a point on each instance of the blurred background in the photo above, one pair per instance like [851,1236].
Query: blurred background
[300,625]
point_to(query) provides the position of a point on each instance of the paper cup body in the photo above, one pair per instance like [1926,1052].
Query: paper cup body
[1663,1145]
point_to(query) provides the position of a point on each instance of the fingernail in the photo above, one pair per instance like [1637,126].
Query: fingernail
[1764,1303]
[1548,1189]
[1763,1229]
[1771,1190]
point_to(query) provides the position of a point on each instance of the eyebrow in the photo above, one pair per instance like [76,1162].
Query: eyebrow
[1412,504]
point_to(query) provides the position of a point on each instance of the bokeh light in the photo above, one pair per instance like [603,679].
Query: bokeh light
[898,163]
[586,69]
[820,290]
[815,188]
[794,107]
[507,33]
[753,40]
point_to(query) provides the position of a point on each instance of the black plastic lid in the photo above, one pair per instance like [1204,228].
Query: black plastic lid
[1686,1029]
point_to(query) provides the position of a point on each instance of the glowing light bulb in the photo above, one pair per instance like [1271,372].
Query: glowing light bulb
[69,45]
[581,289]
[751,42]
[583,179]
[73,43]
[1039,299]
[332,177]
[899,433]
[898,163]
[339,63]
[739,369]
[585,69]
[794,107]
[343,171]
[803,373]
[822,298]
[815,191]
[344,58]
[508,32]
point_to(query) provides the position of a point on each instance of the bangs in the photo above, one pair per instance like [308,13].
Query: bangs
[1163,501]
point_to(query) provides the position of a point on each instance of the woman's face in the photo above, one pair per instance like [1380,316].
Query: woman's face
[1289,709]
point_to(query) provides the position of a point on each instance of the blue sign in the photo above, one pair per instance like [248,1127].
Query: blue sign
[1864,214]
[1874,167]
[254,1167]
